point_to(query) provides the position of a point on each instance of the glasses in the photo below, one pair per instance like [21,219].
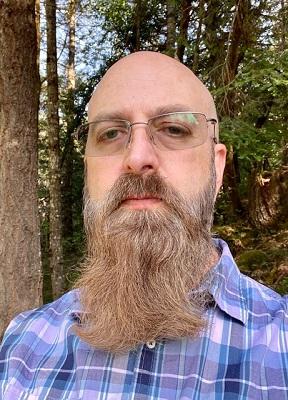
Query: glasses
[171,131]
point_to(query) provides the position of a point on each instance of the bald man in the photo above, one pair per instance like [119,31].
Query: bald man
[160,311]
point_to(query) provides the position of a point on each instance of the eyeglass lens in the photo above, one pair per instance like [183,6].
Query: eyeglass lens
[173,131]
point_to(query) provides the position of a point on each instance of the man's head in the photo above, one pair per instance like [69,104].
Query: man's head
[148,209]
[137,88]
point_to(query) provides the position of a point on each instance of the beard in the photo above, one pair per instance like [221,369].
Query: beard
[143,276]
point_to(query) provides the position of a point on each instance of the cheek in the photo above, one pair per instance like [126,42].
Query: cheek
[100,176]
[189,172]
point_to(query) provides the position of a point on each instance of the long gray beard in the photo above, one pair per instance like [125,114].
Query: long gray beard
[143,271]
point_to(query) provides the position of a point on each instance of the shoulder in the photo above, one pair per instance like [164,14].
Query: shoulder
[244,298]
[41,325]
[52,313]
[35,343]
[262,303]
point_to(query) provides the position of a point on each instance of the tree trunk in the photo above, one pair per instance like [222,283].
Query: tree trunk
[268,197]
[232,180]
[234,41]
[183,28]
[171,28]
[136,29]
[55,234]
[234,55]
[20,262]
[283,25]
[67,164]
[285,153]
[38,29]
[212,37]
[266,107]
[201,14]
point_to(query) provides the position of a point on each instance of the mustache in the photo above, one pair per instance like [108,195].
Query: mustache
[133,185]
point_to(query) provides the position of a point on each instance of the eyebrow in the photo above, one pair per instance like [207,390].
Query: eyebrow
[172,108]
[158,111]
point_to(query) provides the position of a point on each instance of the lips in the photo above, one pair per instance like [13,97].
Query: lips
[142,197]
[144,201]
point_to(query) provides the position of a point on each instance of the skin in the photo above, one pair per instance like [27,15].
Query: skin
[136,88]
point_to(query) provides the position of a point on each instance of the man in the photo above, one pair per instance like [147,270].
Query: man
[161,310]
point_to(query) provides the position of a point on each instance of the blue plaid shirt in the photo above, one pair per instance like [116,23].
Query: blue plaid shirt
[241,355]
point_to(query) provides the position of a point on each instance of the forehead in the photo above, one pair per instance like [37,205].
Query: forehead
[144,86]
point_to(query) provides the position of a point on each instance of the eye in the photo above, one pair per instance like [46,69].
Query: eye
[111,134]
[174,130]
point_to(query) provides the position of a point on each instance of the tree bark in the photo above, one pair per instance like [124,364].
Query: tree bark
[67,166]
[20,261]
[38,29]
[136,29]
[55,234]
[212,38]
[285,153]
[234,54]
[232,180]
[183,28]
[201,14]
[171,28]
[283,25]
[268,197]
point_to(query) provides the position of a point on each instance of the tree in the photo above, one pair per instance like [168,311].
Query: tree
[136,28]
[69,117]
[171,28]
[55,231]
[20,263]
[238,48]
[185,9]
[268,189]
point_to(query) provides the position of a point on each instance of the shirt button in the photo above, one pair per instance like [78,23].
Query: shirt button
[151,344]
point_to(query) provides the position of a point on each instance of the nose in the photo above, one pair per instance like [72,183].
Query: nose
[141,156]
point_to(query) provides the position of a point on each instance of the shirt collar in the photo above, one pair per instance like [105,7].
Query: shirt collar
[226,287]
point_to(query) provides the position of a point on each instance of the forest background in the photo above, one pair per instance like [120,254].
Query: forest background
[52,54]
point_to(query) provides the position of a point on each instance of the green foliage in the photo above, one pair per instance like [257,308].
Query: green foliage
[251,260]
[252,144]
[107,30]
[261,254]
[258,130]
[282,287]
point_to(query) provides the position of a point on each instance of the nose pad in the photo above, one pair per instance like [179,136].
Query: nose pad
[140,155]
[151,137]
[130,139]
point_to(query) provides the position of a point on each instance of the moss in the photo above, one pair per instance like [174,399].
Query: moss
[251,260]
[282,286]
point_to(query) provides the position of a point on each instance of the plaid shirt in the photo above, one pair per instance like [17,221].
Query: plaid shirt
[241,355]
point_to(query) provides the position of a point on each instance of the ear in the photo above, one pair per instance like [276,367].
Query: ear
[220,161]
